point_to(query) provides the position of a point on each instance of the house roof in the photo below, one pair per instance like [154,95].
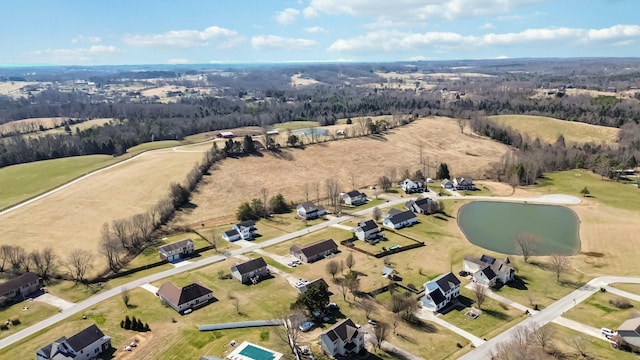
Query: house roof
[85,338]
[630,331]
[422,201]
[315,248]
[248,223]
[251,265]
[437,296]
[367,225]
[344,330]
[393,211]
[17,282]
[176,245]
[488,272]
[308,206]
[354,193]
[401,217]
[317,282]
[231,233]
[386,271]
[487,259]
[446,281]
[179,296]
[445,181]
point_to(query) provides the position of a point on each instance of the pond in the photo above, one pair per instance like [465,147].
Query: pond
[312,132]
[496,225]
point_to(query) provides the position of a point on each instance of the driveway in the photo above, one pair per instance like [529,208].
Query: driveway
[54,301]
[343,227]
[150,288]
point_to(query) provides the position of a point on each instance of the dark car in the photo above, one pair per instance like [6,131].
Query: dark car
[463,273]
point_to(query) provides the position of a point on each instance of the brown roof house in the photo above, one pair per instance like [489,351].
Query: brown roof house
[177,250]
[250,271]
[87,344]
[629,332]
[19,288]
[314,252]
[182,299]
[342,339]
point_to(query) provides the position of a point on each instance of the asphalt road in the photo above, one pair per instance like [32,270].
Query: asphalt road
[92,301]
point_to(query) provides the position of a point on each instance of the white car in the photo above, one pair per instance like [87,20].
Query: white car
[607,332]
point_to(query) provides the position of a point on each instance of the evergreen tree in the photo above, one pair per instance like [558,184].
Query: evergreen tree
[146,327]
[443,172]
[134,323]
[247,145]
[127,323]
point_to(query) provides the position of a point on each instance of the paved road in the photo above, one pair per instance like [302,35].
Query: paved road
[622,293]
[92,301]
[549,314]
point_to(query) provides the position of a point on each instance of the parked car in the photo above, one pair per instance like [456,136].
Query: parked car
[372,322]
[333,306]
[307,325]
[463,273]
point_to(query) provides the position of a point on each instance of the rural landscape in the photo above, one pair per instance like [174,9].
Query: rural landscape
[480,209]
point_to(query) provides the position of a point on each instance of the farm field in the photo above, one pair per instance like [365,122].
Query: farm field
[223,191]
[548,129]
[79,211]
[32,123]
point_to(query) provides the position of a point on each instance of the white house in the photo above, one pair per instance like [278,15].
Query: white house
[399,219]
[463,183]
[309,211]
[367,230]
[249,271]
[409,186]
[440,291]
[177,250]
[354,198]
[87,344]
[189,297]
[342,339]
[488,270]
[245,230]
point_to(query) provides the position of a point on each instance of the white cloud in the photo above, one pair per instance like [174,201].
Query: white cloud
[287,16]
[501,57]
[86,39]
[176,61]
[385,40]
[77,55]
[487,26]
[413,10]
[315,30]
[271,42]
[417,58]
[180,38]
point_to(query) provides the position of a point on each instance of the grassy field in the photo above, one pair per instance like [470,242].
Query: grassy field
[596,311]
[19,182]
[548,129]
[28,312]
[295,125]
[632,288]
[595,348]
[329,233]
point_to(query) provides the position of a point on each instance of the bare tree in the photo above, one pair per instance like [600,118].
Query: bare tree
[392,174]
[236,302]
[543,335]
[580,344]
[385,183]
[350,261]
[44,262]
[4,256]
[342,288]
[119,228]
[376,214]
[395,321]
[559,264]
[306,188]
[143,224]
[290,331]
[380,333]
[126,296]
[516,348]
[352,176]
[332,268]
[461,124]
[78,261]
[264,194]
[16,256]
[367,304]
[316,186]
[480,292]
[110,246]
[526,243]
[333,193]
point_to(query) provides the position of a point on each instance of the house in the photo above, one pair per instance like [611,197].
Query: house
[249,351]
[420,206]
[309,211]
[315,283]
[314,252]
[342,339]
[87,344]
[225,135]
[367,231]
[250,271]
[482,269]
[19,288]
[399,220]
[447,184]
[189,297]
[629,332]
[440,291]
[245,230]
[463,183]
[409,186]
[354,198]
[177,250]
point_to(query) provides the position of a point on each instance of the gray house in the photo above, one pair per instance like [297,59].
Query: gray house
[250,271]
[309,211]
[367,231]
[314,252]
[19,288]
[87,344]
[420,206]
[354,198]
[177,250]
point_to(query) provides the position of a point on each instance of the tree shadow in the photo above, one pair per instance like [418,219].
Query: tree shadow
[439,217]
[519,283]
[423,326]
[496,314]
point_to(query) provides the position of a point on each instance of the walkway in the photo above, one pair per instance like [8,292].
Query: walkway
[427,315]
[343,227]
[150,288]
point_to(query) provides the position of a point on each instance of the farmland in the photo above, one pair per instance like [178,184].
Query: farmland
[548,129]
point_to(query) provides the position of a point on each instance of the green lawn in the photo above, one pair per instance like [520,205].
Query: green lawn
[632,288]
[329,233]
[153,145]
[616,194]
[493,320]
[595,348]
[369,204]
[295,125]
[596,311]
[28,312]
[22,181]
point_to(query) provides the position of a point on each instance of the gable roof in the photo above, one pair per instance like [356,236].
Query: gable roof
[247,224]
[393,212]
[447,281]
[630,331]
[179,296]
[354,193]
[437,296]
[85,338]
[422,201]
[308,206]
[18,282]
[487,259]
[317,282]
[251,265]
[176,245]
[401,217]
[59,349]
[316,248]
[231,233]
[344,330]
[488,272]
[367,225]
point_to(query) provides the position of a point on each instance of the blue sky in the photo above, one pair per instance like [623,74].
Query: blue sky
[83,32]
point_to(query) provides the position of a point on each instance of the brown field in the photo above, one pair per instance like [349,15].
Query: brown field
[73,216]
[239,180]
[33,122]
[11,88]
[298,80]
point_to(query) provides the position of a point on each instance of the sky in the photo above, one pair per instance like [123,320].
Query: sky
[118,32]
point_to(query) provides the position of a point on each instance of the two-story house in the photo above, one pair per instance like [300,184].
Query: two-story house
[440,291]
[85,345]
[421,206]
[488,270]
[250,271]
[463,183]
[409,186]
[177,250]
[309,211]
[354,198]
[245,230]
[342,339]
[367,231]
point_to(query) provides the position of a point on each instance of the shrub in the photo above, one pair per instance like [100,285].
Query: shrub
[4,327]
[620,303]
[411,286]
[15,321]
[459,345]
